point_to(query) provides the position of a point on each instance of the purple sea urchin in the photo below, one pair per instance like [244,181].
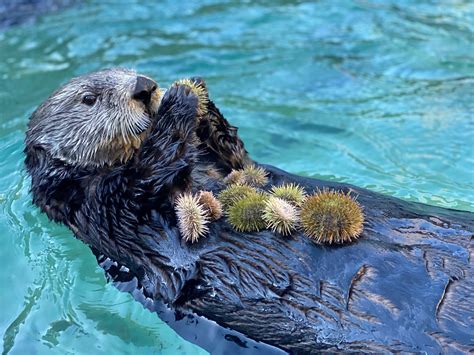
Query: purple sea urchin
[234,193]
[254,176]
[246,214]
[211,205]
[192,217]
[331,217]
[280,216]
[292,193]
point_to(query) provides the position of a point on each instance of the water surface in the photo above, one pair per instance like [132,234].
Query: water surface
[374,93]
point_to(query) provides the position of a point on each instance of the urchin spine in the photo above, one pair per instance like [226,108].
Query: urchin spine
[246,214]
[292,193]
[211,204]
[192,217]
[235,177]
[332,217]
[280,216]
[198,90]
[255,176]
[234,193]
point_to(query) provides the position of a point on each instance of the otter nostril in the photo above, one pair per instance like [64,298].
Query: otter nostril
[143,96]
[144,88]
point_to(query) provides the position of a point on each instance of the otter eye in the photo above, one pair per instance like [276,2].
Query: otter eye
[89,99]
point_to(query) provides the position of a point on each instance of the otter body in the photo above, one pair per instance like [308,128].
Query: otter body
[406,285]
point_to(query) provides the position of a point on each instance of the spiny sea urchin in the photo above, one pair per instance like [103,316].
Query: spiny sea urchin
[211,205]
[280,216]
[234,193]
[292,193]
[331,217]
[192,217]
[198,90]
[235,177]
[246,214]
[254,176]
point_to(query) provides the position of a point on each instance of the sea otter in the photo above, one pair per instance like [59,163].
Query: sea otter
[109,152]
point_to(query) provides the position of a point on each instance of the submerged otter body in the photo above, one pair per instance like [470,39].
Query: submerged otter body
[406,285]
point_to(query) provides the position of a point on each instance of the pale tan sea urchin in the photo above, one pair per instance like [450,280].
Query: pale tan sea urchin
[235,177]
[280,216]
[211,205]
[331,217]
[192,217]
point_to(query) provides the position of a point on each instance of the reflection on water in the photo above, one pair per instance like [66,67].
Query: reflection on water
[375,93]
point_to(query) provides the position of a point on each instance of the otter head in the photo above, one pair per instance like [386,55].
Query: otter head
[95,120]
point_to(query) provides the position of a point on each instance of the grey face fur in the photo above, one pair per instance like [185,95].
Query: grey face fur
[94,119]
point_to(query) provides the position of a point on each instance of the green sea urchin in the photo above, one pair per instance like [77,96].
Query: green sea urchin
[200,91]
[331,217]
[292,193]
[254,176]
[192,217]
[211,205]
[280,216]
[234,193]
[235,177]
[246,214]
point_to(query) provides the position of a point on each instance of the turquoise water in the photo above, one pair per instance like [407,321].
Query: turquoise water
[375,93]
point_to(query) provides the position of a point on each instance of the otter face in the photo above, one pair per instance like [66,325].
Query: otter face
[96,119]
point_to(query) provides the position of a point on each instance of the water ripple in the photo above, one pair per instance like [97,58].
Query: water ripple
[378,94]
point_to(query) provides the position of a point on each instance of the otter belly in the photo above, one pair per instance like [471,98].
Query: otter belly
[406,285]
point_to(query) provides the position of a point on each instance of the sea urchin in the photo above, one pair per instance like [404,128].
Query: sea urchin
[254,176]
[200,91]
[234,193]
[211,205]
[235,177]
[280,216]
[292,193]
[331,217]
[192,217]
[246,214]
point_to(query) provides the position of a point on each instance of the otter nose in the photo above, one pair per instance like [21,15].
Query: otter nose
[144,89]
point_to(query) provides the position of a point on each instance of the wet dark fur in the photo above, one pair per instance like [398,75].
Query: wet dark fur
[406,285]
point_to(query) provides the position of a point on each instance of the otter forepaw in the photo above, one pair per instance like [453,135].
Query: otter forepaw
[198,88]
[178,111]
